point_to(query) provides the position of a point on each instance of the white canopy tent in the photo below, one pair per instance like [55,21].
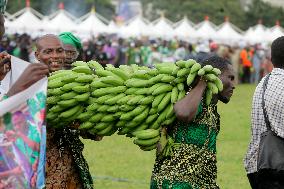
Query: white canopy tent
[136,27]
[46,26]
[26,20]
[92,23]
[162,27]
[62,21]
[275,32]
[257,34]
[228,33]
[184,29]
[206,30]
[8,22]
[113,28]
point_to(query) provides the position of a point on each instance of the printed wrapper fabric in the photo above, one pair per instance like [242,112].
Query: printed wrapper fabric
[23,139]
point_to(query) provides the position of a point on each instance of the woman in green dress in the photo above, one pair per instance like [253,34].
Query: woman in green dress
[192,165]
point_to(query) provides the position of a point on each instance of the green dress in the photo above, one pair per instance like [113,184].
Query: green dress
[193,164]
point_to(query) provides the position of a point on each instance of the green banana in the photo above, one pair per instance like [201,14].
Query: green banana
[103,108]
[210,77]
[219,84]
[189,63]
[180,86]
[162,89]
[78,63]
[67,103]
[70,86]
[96,118]
[70,112]
[108,118]
[81,89]
[148,148]
[151,118]
[85,126]
[93,107]
[208,68]
[82,69]
[85,116]
[190,78]
[195,68]
[147,142]
[201,72]
[212,87]
[183,72]
[52,100]
[84,78]
[164,102]
[146,100]
[68,96]
[147,134]
[174,95]
[114,99]
[158,99]
[208,97]
[95,65]
[82,97]
[142,116]
[181,95]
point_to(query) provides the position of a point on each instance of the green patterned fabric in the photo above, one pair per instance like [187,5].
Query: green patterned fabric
[70,138]
[193,164]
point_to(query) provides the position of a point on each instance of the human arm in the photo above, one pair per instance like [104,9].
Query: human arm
[186,108]
[5,64]
[32,74]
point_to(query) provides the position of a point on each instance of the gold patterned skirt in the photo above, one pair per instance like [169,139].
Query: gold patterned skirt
[188,167]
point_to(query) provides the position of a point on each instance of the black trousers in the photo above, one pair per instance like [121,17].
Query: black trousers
[265,181]
[247,74]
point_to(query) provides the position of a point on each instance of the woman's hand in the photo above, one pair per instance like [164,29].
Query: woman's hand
[32,74]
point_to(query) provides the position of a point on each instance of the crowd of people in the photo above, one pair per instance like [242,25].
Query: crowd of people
[251,62]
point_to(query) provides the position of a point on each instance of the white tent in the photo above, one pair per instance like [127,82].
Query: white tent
[162,27]
[113,28]
[228,33]
[275,32]
[92,23]
[8,22]
[45,27]
[26,20]
[257,34]
[248,34]
[136,27]
[62,21]
[206,30]
[184,29]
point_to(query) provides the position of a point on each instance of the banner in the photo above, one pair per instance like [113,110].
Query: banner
[23,138]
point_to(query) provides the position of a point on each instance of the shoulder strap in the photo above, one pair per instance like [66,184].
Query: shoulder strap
[267,123]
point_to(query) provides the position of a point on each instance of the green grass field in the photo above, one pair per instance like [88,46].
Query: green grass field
[116,163]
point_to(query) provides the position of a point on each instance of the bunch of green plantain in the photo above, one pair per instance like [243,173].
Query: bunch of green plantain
[147,139]
[68,91]
[131,100]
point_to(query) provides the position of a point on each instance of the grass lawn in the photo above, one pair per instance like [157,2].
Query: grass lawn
[116,163]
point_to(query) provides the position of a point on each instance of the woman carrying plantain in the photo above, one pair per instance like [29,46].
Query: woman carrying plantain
[191,161]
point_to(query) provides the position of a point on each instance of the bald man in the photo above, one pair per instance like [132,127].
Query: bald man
[49,50]
[65,164]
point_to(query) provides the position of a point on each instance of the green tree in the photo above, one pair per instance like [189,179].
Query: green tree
[217,10]
[259,10]
[75,7]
